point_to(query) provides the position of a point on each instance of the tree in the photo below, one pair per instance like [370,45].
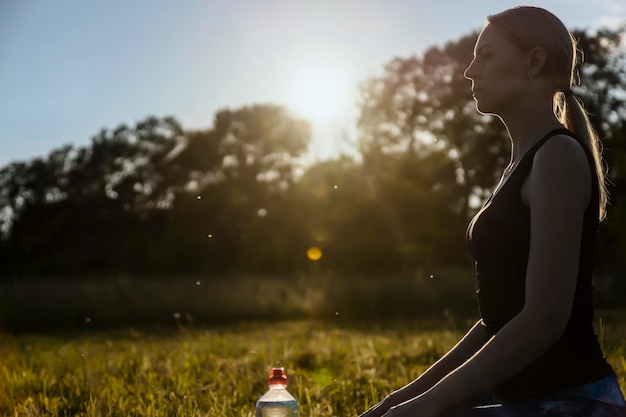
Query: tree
[144,199]
[239,171]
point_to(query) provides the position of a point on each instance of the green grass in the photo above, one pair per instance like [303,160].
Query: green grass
[203,346]
[333,369]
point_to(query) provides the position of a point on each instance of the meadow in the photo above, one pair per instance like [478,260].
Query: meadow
[210,352]
[333,369]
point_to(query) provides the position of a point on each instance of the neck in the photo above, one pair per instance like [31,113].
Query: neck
[528,129]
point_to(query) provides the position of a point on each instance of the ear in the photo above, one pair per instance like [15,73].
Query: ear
[536,61]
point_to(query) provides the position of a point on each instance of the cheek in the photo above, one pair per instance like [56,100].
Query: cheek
[510,73]
[504,84]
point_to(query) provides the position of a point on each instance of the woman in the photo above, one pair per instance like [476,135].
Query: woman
[534,352]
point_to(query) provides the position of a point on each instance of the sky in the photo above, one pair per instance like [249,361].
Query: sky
[69,68]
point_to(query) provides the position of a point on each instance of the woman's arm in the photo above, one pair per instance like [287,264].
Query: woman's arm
[558,193]
[475,338]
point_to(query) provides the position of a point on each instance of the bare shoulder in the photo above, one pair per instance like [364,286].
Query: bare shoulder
[561,152]
[561,171]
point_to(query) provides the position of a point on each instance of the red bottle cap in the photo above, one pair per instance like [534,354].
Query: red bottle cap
[277,377]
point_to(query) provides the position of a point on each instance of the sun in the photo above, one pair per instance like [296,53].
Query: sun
[320,93]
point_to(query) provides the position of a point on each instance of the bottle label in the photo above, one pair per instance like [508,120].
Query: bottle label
[277,409]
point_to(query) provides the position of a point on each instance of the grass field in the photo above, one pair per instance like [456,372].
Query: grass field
[335,368]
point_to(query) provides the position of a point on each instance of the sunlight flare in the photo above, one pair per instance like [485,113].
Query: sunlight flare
[320,93]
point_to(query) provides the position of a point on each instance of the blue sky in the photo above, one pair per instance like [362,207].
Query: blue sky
[69,68]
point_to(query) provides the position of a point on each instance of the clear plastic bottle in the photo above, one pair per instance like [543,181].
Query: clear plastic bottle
[277,402]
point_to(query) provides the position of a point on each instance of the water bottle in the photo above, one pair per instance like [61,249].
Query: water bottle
[277,402]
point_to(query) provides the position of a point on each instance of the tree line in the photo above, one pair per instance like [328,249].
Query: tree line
[158,199]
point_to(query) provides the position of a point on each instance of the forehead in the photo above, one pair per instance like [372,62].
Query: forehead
[490,36]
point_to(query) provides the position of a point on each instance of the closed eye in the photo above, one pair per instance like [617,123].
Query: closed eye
[485,55]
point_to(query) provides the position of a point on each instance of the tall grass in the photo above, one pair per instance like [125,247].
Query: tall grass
[220,372]
[203,346]
[333,370]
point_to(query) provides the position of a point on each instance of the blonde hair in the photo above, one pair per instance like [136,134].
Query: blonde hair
[530,27]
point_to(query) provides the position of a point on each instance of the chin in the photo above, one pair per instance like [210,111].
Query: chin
[482,109]
[487,113]
[486,108]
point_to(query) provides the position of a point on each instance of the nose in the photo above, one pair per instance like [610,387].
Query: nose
[469,72]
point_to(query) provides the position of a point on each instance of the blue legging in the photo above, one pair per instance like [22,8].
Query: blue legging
[602,398]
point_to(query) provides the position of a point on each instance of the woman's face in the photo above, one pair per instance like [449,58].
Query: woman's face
[498,73]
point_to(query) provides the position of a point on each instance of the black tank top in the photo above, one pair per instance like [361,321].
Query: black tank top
[498,238]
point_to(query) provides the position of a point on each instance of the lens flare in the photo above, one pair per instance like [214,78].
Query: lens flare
[314,253]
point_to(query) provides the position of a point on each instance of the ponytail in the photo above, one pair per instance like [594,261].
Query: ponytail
[575,118]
